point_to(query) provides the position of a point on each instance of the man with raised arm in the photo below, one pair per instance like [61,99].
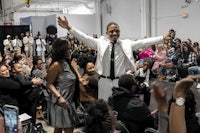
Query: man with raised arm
[114,56]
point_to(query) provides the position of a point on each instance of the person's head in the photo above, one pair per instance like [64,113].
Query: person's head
[87,63]
[17,68]
[178,41]
[128,82]
[146,65]
[27,33]
[195,44]
[89,69]
[113,31]
[37,62]
[187,48]
[22,34]
[40,36]
[17,57]
[61,49]
[189,41]
[92,83]
[160,47]
[177,48]
[4,72]
[16,37]
[8,37]
[172,33]
[99,118]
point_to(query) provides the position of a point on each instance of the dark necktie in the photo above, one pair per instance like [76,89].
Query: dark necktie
[112,62]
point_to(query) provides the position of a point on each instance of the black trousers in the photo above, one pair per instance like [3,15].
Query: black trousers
[147,95]
[30,102]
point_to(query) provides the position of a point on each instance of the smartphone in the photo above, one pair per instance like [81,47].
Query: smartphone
[11,118]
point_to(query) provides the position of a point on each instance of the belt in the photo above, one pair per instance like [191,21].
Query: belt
[108,77]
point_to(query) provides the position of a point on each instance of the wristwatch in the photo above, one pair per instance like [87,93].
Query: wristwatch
[179,101]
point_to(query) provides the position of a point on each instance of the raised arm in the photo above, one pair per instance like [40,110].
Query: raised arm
[87,40]
[150,41]
[64,23]
[160,95]
[177,121]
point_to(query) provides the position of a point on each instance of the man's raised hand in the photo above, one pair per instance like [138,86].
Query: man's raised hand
[64,23]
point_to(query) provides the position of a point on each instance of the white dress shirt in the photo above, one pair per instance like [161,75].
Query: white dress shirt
[17,44]
[121,63]
[40,43]
[124,60]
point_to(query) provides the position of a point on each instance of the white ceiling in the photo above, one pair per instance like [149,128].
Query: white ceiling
[57,5]
[45,5]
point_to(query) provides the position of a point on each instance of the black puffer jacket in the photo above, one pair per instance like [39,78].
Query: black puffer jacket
[131,110]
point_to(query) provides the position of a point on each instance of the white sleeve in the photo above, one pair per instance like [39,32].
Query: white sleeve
[146,42]
[86,39]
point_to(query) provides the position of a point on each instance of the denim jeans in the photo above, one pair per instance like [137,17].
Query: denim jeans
[194,70]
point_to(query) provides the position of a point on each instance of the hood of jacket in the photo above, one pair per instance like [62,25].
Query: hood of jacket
[121,94]
[120,91]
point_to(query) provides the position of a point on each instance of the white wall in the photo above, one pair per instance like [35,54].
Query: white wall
[38,24]
[18,15]
[85,23]
[166,14]
[127,13]
[169,16]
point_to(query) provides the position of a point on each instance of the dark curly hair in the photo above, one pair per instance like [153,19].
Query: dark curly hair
[60,49]
[82,61]
[99,118]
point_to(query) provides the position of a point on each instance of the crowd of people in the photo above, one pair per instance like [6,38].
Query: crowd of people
[105,75]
